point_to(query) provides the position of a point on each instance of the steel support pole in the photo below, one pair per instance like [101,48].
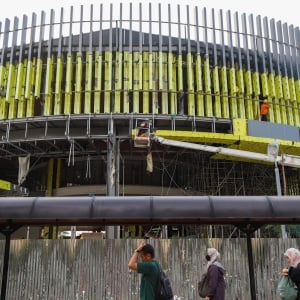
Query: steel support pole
[7,231]
[251,267]
[112,174]
[279,193]
[5,266]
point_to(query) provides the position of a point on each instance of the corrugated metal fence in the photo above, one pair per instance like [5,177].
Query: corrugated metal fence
[97,269]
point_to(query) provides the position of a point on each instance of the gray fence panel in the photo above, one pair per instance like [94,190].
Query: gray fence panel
[97,269]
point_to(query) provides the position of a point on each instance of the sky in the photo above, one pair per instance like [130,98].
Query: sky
[287,11]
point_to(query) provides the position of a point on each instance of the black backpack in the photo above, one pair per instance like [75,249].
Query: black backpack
[164,289]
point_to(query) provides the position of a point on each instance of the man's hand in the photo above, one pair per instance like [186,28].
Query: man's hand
[284,272]
[141,245]
[134,258]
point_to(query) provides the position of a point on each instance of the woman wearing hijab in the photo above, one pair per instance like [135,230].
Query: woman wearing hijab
[293,258]
[215,276]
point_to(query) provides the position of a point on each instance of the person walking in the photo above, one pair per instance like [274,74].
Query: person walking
[215,276]
[293,258]
[146,266]
[264,109]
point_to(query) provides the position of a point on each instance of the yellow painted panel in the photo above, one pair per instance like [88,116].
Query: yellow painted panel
[240,81]
[197,137]
[283,111]
[180,73]
[199,84]
[19,81]
[11,79]
[5,185]
[256,94]
[150,70]
[271,110]
[136,82]
[292,88]
[190,72]
[10,94]
[207,82]
[240,93]
[88,83]
[107,81]
[78,84]
[3,109]
[3,75]
[68,90]
[170,72]
[275,101]
[199,87]
[29,88]
[98,83]
[127,63]
[140,64]
[224,93]
[286,88]
[38,78]
[173,95]
[241,107]
[233,93]
[297,88]
[118,82]
[155,76]
[3,102]
[248,83]
[164,96]
[239,127]
[256,86]
[160,71]
[48,108]
[264,84]
[248,98]
[20,88]
[191,104]
[233,88]
[207,89]
[190,85]
[256,107]
[278,87]
[58,87]
[296,113]
[271,85]
[200,104]
[145,83]
[290,115]
[216,92]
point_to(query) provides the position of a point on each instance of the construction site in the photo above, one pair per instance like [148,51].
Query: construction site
[112,101]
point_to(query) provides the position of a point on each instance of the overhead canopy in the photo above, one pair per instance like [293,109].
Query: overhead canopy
[149,210]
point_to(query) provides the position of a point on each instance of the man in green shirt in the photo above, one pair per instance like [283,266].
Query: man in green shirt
[148,267]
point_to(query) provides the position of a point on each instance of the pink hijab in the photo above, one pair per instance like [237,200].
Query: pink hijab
[294,255]
[213,254]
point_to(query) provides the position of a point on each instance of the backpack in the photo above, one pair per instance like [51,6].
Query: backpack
[164,289]
[202,286]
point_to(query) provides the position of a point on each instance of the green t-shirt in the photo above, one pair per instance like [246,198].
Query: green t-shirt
[149,271]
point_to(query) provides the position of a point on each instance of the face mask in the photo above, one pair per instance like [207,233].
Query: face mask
[207,257]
